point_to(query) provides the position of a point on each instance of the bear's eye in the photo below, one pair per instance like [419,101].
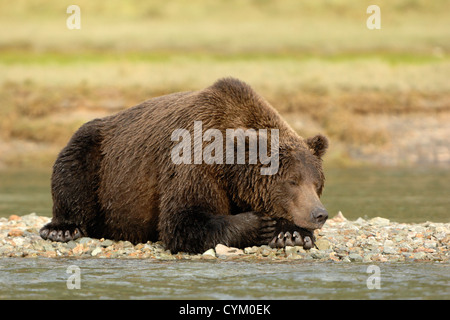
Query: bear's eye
[319,188]
[292,182]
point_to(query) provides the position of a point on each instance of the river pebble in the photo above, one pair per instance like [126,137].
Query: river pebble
[340,240]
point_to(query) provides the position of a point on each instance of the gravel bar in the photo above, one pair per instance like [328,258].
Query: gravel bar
[340,240]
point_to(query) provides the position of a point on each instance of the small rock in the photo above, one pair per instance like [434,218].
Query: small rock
[379,257]
[78,249]
[224,251]
[71,244]
[14,218]
[339,217]
[323,244]
[18,241]
[148,246]
[368,257]
[317,254]
[62,251]
[333,256]
[127,244]
[290,250]
[440,236]
[84,240]
[346,259]
[354,257]
[48,247]
[294,256]
[430,244]
[389,250]
[404,247]
[96,251]
[419,255]
[15,233]
[164,256]
[251,250]
[209,254]
[106,243]
[378,221]
[266,252]
[38,246]
[139,246]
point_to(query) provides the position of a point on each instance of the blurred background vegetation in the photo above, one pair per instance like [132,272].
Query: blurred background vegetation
[382,96]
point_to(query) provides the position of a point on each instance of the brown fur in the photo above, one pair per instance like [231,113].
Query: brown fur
[115,179]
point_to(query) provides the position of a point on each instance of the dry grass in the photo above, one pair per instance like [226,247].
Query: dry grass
[51,114]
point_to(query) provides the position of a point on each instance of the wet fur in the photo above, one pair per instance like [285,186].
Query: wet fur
[115,178]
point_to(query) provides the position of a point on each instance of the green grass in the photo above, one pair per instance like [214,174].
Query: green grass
[21,57]
[235,27]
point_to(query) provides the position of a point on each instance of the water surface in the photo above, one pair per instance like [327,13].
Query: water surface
[42,278]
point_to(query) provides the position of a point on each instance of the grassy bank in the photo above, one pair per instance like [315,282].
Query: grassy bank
[315,61]
[43,117]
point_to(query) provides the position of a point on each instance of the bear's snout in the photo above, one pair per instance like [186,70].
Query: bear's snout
[319,215]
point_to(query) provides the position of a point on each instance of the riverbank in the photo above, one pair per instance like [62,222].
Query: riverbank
[340,240]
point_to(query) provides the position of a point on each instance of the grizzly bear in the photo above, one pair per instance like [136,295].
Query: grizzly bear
[117,177]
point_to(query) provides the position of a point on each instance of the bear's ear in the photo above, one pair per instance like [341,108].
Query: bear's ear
[318,145]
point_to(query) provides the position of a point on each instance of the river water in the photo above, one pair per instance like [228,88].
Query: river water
[403,195]
[41,278]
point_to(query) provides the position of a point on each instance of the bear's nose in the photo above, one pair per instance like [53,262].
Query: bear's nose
[319,215]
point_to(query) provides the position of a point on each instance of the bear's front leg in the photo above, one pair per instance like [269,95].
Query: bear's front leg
[194,230]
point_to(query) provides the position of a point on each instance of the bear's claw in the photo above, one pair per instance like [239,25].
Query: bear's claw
[284,239]
[60,233]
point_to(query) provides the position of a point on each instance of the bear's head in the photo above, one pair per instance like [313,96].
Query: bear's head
[294,194]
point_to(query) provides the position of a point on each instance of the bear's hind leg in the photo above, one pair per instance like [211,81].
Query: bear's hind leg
[75,182]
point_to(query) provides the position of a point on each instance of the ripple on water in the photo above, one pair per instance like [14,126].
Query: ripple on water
[42,278]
